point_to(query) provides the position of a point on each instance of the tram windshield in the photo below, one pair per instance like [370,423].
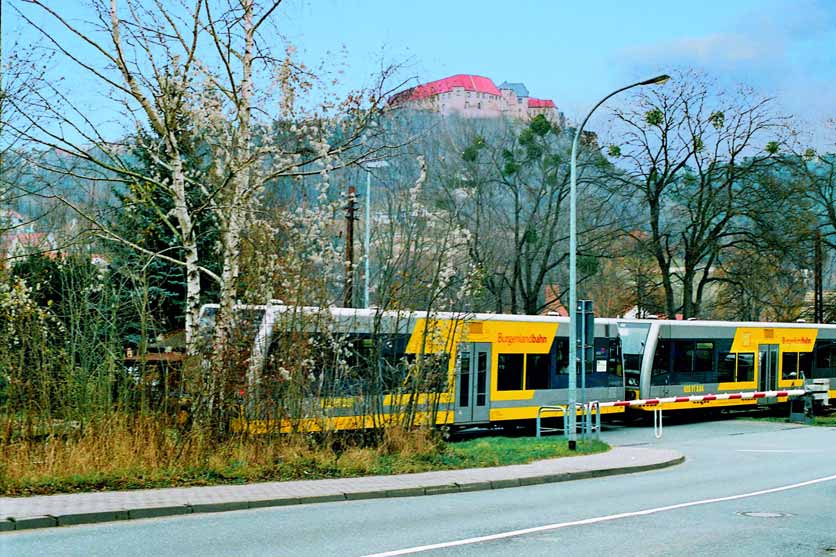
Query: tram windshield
[633,338]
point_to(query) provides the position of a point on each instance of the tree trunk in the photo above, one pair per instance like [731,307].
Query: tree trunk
[191,256]
[688,309]
[662,259]
[239,204]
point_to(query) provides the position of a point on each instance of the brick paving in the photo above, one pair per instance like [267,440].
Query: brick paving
[17,513]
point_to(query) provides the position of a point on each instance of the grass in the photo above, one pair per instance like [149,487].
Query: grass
[133,453]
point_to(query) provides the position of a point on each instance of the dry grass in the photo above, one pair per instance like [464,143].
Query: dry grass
[139,452]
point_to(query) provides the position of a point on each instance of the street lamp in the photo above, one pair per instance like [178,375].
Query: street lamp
[573,262]
[368,223]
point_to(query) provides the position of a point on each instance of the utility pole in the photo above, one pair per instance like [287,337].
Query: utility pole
[818,287]
[350,210]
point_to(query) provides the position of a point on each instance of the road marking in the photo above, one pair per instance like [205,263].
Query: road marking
[596,520]
[778,451]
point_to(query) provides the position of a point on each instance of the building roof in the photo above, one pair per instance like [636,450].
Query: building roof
[475,83]
[519,89]
[28,242]
[540,103]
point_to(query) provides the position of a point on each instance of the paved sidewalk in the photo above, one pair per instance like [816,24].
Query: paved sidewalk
[84,508]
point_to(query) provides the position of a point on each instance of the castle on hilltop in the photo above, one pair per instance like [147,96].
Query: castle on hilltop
[475,96]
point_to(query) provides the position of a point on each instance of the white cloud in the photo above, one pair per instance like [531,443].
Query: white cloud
[709,50]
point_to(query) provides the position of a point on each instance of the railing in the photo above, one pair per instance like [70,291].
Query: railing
[541,410]
[590,421]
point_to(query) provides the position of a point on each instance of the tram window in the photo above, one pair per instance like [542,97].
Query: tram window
[662,358]
[683,356]
[602,348]
[242,339]
[725,366]
[746,366]
[704,357]
[433,376]
[393,348]
[805,364]
[561,352]
[560,367]
[633,337]
[361,352]
[661,374]
[633,362]
[510,372]
[789,365]
[395,372]
[537,371]
[825,359]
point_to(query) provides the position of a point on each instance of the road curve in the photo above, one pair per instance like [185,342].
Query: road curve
[746,488]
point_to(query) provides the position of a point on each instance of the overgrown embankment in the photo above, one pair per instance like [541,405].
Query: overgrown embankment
[135,453]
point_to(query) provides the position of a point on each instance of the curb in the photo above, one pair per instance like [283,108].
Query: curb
[29,523]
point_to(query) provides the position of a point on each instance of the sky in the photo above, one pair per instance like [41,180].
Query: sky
[572,52]
[575,52]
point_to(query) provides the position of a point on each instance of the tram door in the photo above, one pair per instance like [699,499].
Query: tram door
[767,367]
[472,382]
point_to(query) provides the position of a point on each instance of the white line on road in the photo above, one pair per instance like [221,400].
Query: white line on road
[778,451]
[557,526]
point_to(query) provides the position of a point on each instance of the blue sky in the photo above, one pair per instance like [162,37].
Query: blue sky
[574,52]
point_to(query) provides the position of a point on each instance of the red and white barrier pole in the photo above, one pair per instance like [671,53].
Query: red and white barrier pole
[709,397]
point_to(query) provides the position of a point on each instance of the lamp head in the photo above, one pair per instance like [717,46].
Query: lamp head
[658,80]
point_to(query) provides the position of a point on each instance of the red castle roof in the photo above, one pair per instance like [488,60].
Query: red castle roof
[475,83]
[540,103]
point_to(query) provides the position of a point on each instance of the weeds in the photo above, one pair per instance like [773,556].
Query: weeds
[124,452]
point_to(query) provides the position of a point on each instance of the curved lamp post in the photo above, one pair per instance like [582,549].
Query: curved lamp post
[573,261]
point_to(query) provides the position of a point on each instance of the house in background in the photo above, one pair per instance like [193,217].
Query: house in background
[20,244]
[476,96]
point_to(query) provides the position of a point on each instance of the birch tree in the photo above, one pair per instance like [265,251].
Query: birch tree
[262,118]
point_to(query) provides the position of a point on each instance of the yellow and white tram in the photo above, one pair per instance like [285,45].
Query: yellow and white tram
[494,368]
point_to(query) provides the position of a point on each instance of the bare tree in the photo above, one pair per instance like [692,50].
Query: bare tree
[687,149]
[818,170]
[509,182]
[17,74]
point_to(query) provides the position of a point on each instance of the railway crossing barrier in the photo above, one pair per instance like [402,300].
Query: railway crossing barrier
[657,403]
[657,422]
[591,411]
[700,398]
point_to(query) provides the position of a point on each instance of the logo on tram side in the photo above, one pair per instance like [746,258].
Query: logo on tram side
[747,339]
[694,388]
[804,341]
[515,339]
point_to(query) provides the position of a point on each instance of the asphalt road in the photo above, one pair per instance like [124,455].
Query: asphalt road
[784,476]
